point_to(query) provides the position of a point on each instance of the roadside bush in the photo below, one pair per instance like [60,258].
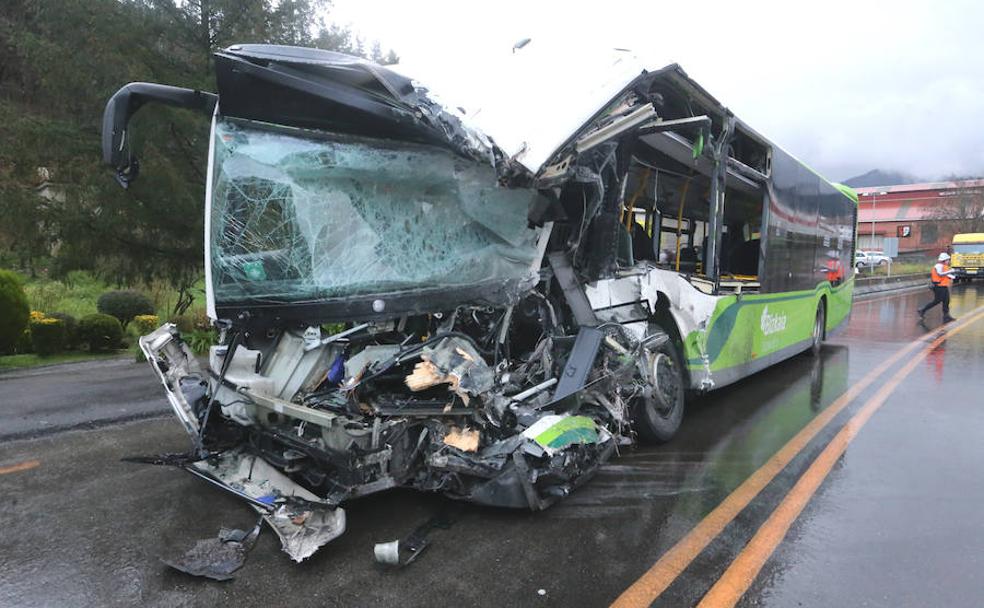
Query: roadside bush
[14,310]
[192,320]
[47,336]
[23,345]
[185,323]
[71,328]
[144,324]
[101,332]
[200,340]
[124,305]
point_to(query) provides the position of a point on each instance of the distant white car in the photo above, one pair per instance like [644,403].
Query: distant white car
[870,259]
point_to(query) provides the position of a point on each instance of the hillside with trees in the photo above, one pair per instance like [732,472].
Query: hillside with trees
[60,60]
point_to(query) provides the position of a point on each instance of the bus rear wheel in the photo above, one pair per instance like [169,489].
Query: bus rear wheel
[819,329]
[658,411]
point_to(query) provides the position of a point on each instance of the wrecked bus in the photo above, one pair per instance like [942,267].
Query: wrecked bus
[405,300]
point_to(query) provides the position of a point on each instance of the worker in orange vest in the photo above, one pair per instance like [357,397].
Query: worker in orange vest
[942,277]
[833,268]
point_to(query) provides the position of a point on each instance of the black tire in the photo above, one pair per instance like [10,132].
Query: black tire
[657,414]
[819,330]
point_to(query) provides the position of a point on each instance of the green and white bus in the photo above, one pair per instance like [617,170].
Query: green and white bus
[481,293]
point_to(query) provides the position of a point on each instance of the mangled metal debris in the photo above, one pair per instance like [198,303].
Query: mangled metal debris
[404,303]
[217,558]
[403,552]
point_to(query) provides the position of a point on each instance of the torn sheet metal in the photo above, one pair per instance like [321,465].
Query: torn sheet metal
[404,551]
[217,558]
[454,362]
[303,521]
[179,372]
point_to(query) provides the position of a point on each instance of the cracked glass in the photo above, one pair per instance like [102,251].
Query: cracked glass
[299,217]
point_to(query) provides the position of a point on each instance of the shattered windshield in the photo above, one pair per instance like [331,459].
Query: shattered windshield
[299,218]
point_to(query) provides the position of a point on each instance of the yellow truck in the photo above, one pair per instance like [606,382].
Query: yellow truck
[968,255]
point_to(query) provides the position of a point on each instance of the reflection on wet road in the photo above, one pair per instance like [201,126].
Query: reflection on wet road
[896,522]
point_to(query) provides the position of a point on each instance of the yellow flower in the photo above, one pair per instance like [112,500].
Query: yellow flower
[146,323]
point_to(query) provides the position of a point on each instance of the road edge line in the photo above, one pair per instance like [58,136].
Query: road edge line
[744,569]
[672,563]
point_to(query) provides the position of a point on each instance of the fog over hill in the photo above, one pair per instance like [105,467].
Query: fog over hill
[878,177]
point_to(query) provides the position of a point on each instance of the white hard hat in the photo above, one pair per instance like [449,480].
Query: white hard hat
[943,257]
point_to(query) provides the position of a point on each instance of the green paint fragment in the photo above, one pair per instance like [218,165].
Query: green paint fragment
[567,431]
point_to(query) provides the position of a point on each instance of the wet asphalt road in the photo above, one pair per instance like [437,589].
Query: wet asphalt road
[45,399]
[897,522]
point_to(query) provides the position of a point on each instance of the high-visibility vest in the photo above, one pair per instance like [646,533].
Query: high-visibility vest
[941,280]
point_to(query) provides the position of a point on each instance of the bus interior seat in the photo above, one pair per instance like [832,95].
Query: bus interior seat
[744,258]
[642,243]
[688,259]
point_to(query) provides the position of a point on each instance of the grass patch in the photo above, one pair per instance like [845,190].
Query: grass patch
[32,360]
[76,294]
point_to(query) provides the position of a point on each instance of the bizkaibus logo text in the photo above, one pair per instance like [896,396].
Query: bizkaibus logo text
[771,324]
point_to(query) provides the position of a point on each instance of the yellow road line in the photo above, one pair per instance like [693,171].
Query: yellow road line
[669,566]
[20,466]
[745,568]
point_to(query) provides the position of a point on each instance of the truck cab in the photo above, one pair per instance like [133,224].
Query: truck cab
[967,260]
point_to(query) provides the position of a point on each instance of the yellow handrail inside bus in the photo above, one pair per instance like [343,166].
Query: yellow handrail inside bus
[630,209]
[683,199]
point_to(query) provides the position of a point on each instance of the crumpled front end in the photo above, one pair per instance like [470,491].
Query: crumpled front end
[298,423]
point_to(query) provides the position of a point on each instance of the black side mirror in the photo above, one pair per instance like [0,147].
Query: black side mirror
[125,103]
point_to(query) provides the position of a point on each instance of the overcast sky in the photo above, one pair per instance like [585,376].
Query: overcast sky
[846,86]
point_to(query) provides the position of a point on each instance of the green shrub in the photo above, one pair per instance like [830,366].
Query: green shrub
[200,340]
[23,345]
[14,310]
[144,324]
[124,305]
[185,323]
[71,328]
[101,332]
[192,320]
[47,336]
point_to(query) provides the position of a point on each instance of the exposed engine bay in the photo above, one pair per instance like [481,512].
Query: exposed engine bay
[495,406]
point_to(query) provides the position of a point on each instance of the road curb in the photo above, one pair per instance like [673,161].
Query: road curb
[868,285]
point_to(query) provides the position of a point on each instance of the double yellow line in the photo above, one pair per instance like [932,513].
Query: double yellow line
[742,572]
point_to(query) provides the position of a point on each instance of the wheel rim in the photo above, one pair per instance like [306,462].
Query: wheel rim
[666,383]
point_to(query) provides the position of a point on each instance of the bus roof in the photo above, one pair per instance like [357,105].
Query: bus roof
[968,237]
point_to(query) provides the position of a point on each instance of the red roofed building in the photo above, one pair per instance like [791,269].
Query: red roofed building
[924,217]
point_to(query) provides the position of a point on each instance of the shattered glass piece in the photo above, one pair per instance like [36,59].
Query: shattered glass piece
[556,432]
[217,558]
[298,218]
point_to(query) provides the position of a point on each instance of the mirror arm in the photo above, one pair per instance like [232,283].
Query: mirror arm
[125,103]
